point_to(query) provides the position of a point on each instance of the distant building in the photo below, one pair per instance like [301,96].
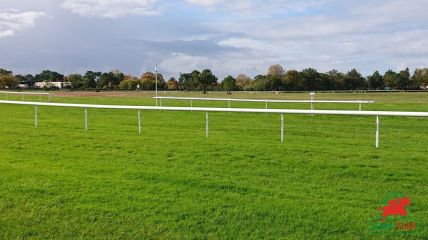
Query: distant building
[60,85]
[23,85]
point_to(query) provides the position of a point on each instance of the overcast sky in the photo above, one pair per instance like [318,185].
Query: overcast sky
[227,36]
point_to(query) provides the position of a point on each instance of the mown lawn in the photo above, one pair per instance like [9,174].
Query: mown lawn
[171,182]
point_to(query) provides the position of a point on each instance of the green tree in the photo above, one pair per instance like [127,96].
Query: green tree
[354,80]
[129,83]
[77,81]
[195,83]
[7,80]
[293,81]
[337,78]
[229,84]
[49,76]
[172,84]
[390,79]
[404,81]
[311,79]
[185,81]
[375,81]
[206,79]
[420,77]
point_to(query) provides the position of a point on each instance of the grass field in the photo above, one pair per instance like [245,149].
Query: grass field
[171,182]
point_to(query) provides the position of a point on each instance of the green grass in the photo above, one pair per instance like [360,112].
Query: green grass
[171,182]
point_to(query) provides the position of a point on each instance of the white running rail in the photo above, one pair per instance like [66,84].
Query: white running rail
[266,101]
[207,110]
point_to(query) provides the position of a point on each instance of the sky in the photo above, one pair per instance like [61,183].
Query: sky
[226,36]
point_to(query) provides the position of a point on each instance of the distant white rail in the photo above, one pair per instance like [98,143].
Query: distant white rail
[266,101]
[207,110]
[40,94]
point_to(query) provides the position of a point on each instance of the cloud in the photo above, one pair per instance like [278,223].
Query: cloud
[112,8]
[13,21]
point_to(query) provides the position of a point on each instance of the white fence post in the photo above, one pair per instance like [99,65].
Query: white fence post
[229,107]
[86,119]
[377,131]
[139,122]
[206,124]
[360,107]
[36,116]
[282,127]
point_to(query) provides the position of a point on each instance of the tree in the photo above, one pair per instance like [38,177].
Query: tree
[275,78]
[276,70]
[91,78]
[229,84]
[354,80]
[148,81]
[7,80]
[242,80]
[375,81]
[77,81]
[185,81]
[49,76]
[172,84]
[293,81]
[337,78]
[420,77]
[390,78]
[311,79]
[404,81]
[195,79]
[129,83]
[206,79]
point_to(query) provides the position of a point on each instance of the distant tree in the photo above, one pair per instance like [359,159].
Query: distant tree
[110,80]
[148,81]
[91,78]
[129,83]
[420,77]
[275,78]
[337,78]
[195,83]
[375,81]
[206,79]
[259,83]
[185,81]
[404,81]
[311,79]
[49,76]
[390,79]
[229,84]
[242,80]
[77,81]
[7,80]
[172,84]
[293,81]
[354,80]
[276,70]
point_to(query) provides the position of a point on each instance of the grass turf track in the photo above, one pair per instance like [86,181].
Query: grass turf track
[170,182]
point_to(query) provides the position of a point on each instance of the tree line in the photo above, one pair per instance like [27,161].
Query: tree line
[276,79]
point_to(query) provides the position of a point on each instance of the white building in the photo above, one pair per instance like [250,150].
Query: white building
[59,85]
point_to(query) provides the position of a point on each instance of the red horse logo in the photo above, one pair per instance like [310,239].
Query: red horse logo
[395,207]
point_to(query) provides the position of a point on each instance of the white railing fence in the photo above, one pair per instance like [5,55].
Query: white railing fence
[23,94]
[207,110]
[266,101]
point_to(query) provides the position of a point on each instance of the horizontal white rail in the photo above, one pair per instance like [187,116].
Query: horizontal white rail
[26,93]
[243,110]
[266,100]
[207,110]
